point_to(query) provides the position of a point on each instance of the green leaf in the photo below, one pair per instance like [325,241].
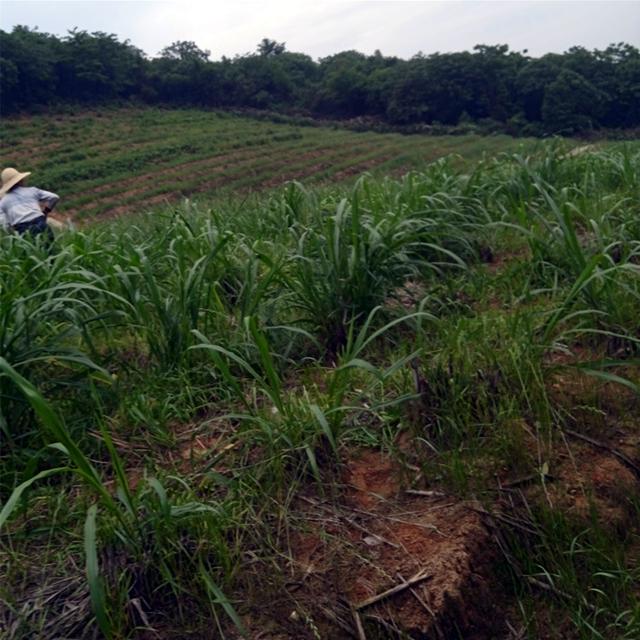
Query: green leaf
[611,377]
[10,504]
[324,425]
[96,587]
[221,599]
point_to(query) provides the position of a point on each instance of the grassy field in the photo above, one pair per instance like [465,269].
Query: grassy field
[405,407]
[115,161]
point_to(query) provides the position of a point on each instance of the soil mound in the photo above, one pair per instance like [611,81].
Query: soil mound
[380,559]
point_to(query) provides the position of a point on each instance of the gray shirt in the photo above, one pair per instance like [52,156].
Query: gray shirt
[22,204]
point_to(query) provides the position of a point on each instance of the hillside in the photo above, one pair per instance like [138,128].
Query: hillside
[109,162]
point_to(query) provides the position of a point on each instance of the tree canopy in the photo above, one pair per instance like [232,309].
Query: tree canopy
[557,93]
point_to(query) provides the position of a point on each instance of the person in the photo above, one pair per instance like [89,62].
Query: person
[24,209]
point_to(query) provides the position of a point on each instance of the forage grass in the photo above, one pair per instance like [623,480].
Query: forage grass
[170,387]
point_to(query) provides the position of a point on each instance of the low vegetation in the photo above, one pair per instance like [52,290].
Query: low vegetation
[190,400]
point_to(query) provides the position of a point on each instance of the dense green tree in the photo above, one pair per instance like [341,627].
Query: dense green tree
[185,51]
[261,82]
[28,68]
[572,103]
[531,82]
[96,67]
[494,82]
[618,75]
[569,92]
[435,88]
[181,74]
[342,90]
[9,81]
[271,47]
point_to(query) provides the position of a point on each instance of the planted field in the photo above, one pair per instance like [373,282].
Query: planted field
[110,162]
[400,408]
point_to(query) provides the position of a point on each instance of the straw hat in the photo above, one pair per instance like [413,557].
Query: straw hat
[10,178]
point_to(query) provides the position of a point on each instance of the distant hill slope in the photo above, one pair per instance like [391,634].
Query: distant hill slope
[108,162]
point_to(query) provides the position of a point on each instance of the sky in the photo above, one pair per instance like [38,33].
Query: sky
[323,27]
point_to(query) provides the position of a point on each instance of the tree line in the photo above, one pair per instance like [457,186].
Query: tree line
[575,91]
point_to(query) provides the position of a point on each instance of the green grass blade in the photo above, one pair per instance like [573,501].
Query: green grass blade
[96,586]
[16,494]
[220,598]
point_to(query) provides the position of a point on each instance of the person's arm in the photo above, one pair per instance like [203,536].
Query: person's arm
[49,199]
[4,223]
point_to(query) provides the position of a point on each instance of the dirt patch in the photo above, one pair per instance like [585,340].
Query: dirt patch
[590,468]
[228,157]
[201,445]
[591,403]
[435,551]
[406,297]
[140,184]
[149,202]
[585,482]
[370,479]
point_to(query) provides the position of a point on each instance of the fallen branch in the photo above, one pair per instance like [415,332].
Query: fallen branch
[419,577]
[426,494]
[439,633]
[359,627]
[523,525]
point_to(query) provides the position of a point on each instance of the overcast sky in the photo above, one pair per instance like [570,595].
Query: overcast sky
[323,27]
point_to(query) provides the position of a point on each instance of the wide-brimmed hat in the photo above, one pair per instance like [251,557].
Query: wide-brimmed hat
[10,178]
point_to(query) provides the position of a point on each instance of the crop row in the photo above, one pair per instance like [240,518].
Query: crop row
[251,172]
[92,157]
[270,166]
[227,155]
